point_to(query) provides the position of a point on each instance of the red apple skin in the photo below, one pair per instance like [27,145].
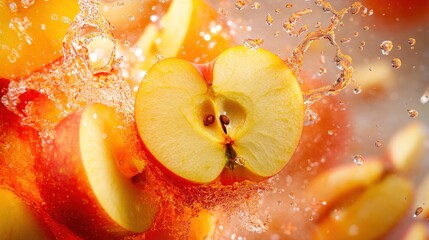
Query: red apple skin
[65,187]
[392,13]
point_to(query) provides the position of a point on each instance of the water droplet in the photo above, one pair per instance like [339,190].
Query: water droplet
[288,5]
[345,40]
[322,71]
[357,90]
[13,7]
[253,43]
[310,117]
[366,28]
[27,3]
[358,159]
[378,143]
[277,10]
[396,63]
[386,47]
[292,195]
[418,211]
[412,113]
[424,98]
[399,47]
[411,41]
[330,132]
[239,4]
[101,53]
[255,5]
[269,20]
[356,34]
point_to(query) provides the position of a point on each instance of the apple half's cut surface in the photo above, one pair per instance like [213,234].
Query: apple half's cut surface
[81,182]
[245,110]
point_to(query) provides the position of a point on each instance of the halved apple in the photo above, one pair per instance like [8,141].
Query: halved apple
[244,110]
[17,221]
[81,181]
[31,34]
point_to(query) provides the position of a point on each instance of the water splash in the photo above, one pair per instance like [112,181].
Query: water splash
[341,60]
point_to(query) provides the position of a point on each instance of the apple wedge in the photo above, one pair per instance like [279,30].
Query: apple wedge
[405,148]
[81,182]
[373,213]
[189,30]
[417,231]
[244,110]
[333,185]
[17,220]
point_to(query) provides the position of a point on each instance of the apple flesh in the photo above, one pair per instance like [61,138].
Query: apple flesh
[334,185]
[372,214]
[244,109]
[81,182]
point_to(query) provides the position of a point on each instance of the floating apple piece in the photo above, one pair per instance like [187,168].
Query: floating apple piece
[375,78]
[189,30]
[243,110]
[130,17]
[81,182]
[405,148]
[372,214]
[31,34]
[18,221]
[417,231]
[334,185]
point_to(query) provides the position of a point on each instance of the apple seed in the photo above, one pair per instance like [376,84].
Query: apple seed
[225,121]
[209,119]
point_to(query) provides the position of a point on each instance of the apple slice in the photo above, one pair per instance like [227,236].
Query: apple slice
[405,148]
[335,184]
[188,30]
[17,221]
[245,110]
[372,214]
[81,181]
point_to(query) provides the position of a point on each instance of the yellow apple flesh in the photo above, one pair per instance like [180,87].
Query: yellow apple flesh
[81,181]
[17,220]
[245,109]
[336,184]
[372,214]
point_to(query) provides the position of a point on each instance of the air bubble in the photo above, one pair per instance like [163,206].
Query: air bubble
[386,47]
[411,41]
[288,5]
[396,63]
[378,143]
[412,113]
[239,4]
[358,159]
[255,5]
